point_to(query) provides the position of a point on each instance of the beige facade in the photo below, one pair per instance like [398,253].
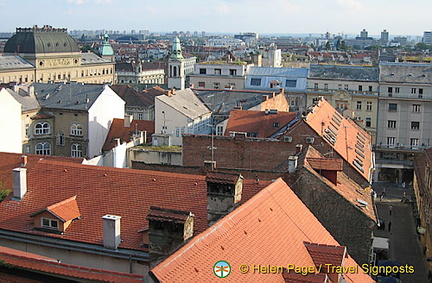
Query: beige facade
[50,55]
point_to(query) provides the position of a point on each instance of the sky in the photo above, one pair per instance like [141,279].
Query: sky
[399,17]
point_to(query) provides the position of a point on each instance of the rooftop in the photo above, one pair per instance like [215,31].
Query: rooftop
[352,73]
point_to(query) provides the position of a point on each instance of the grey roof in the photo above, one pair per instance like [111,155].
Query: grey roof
[348,73]
[14,62]
[186,102]
[280,72]
[73,96]
[28,102]
[91,58]
[223,101]
[406,73]
[41,40]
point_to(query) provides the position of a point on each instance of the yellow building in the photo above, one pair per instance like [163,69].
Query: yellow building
[49,54]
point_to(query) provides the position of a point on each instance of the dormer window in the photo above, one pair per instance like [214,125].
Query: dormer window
[49,223]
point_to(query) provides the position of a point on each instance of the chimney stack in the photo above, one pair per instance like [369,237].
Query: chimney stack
[111,231]
[128,120]
[292,164]
[19,182]
[168,230]
[24,159]
[224,191]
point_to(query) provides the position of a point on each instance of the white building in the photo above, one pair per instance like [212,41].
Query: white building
[180,112]
[10,122]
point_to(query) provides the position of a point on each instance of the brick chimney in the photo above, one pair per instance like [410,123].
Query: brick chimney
[111,231]
[224,191]
[19,182]
[168,230]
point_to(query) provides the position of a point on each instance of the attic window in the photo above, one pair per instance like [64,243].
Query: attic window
[362,202]
[49,223]
[276,124]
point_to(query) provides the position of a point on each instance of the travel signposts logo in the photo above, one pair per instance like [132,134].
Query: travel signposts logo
[221,269]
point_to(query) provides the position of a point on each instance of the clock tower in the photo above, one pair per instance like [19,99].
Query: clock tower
[176,67]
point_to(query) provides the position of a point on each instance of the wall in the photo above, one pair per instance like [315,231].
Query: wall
[156,157]
[106,107]
[10,123]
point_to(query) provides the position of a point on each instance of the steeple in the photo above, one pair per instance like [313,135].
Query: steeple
[106,50]
[176,53]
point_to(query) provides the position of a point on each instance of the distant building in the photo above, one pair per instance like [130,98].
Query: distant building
[49,54]
[384,38]
[427,37]
[134,73]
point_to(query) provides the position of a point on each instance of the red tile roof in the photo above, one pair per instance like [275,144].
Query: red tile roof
[269,229]
[103,190]
[222,178]
[334,164]
[350,141]
[170,215]
[42,264]
[65,210]
[326,254]
[250,121]
[118,130]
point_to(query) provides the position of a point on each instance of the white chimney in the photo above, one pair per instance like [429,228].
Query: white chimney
[292,164]
[111,231]
[19,182]
[128,120]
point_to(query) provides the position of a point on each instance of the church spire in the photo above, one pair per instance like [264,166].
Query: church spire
[176,52]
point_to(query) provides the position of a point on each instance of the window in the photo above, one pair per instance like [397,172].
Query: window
[416,108]
[315,86]
[217,71]
[232,85]
[27,130]
[370,88]
[60,138]
[203,71]
[391,141]
[42,128]
[256,81]
[414,142]
[392,107]
[177,132]
[413,90]
[346,87]
[420,93]
[233,72]
[359,105]
[276,124]
[49,223]
[290,83]
[219,130]
[390,89]
[325,86]
[76,150]
[76,130]
[368,122]
[43,148]
[369,106]
[339,86]
[360,87]
[216,85]
[397,89]
[201,84]
[415,125]
[391,124]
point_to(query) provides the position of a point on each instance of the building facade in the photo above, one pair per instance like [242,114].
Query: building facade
[49,54]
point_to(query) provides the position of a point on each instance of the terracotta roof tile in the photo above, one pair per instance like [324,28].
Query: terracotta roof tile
[65,210]
[334,164]
[125,134]
[350,141]
[165,214]
[41,264]
[326,254]
[223,178]
[264,125]
[269,229]
[127,193]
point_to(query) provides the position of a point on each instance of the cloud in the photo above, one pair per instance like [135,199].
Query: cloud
[223,8]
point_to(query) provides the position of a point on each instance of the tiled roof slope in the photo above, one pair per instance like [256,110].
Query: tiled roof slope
[37,263]
[405,73]
[257,122]
[351,73]
[346,187]
[132,97]
[350,141]
[65,210]
[118,130]
[103,190]
[248,235]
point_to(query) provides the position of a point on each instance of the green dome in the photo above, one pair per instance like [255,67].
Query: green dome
[41,40]
[106,48]
[176,53]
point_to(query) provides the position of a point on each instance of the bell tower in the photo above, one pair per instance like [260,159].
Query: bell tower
[176,68]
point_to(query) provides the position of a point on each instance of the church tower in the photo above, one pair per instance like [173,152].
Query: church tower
[176,67]
[106,51]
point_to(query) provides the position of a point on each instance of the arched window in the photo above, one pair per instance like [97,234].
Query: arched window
[42,128]
[60,138]
[76,150]
[43,148]
[76,130]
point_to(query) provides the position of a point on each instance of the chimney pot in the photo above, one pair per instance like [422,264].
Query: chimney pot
[24,159]
[292,164]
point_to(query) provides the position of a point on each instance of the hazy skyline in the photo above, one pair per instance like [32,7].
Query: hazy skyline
[230,16]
